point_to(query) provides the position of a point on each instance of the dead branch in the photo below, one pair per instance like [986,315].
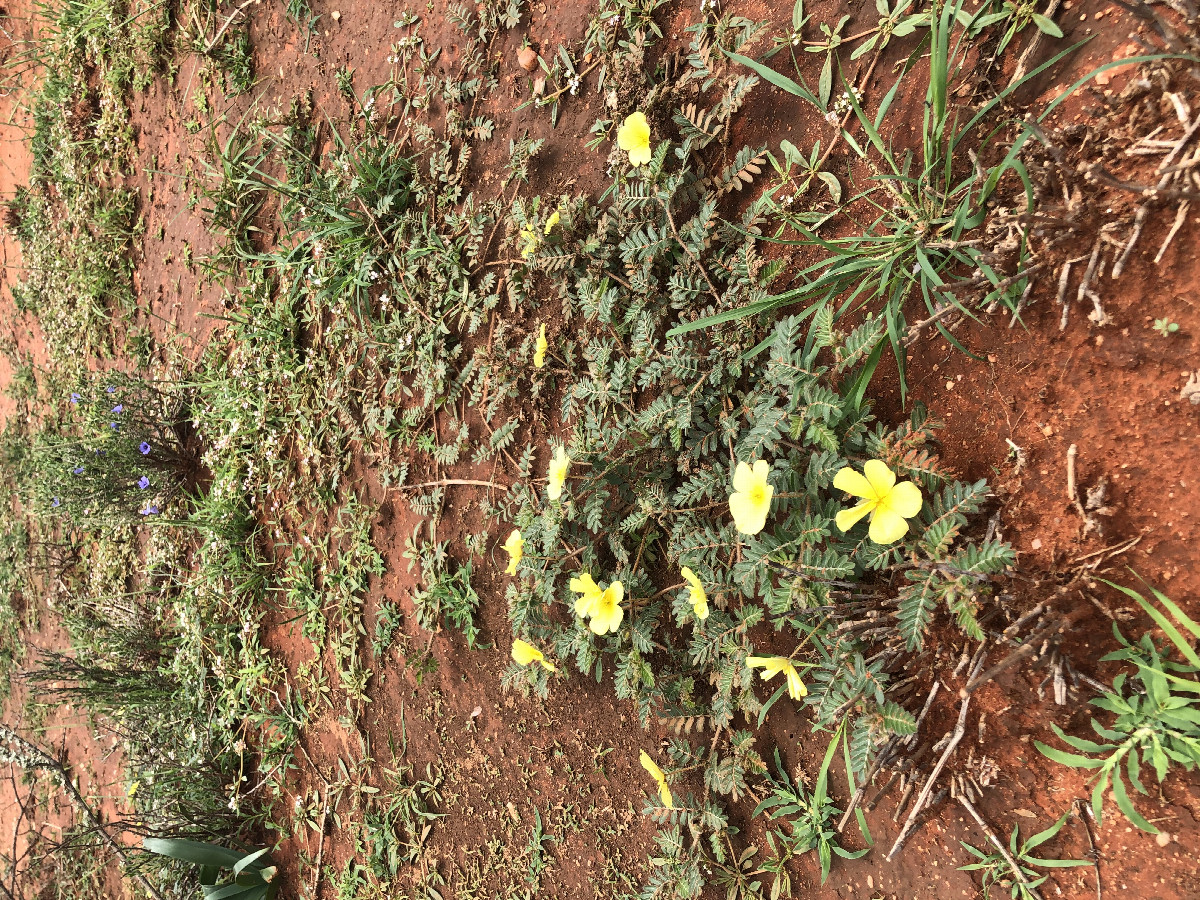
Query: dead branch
[1025,650]
[15,749]
[960,729]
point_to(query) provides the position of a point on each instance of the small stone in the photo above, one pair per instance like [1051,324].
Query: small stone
[336,16]
[1162,839]
[1036,544]
[527,58]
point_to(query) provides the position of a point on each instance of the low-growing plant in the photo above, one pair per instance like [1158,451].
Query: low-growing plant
[123,454]
[1156,723]
[809,818]
[996,869]
[251,877]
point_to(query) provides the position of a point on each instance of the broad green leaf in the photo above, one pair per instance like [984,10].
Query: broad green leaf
[195,852]
[1068,759]
[1046,25]
[1126,805]
[780,81]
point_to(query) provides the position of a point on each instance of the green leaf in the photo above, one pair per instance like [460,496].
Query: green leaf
[780,81]
[1046,26]
[1163,622]
[195,852]
[1068,759]
[1126,805]
[762,713]
[249,860]
[825,85]
[835,187]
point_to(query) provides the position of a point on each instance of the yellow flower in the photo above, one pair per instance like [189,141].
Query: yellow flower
[133,789]
[634,138]
[772,666]
[696,593]
[660,779]
[606,609]
[558,473]
[529,241]
[525,654]
[589,592]
[888,503]
[751,498]
[539,355]
[515,545]
[552,221]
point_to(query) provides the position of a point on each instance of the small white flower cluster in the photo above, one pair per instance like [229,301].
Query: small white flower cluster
[573,85]
[842,104]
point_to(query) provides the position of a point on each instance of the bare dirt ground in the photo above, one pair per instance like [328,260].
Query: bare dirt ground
[1111,390]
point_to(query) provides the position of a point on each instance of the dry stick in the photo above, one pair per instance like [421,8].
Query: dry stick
[1084,810]
[1180,216]
[999,845]
[1088,274]
[884,756]
[233,15]
[1026,649]
[1028,53]
[1139,221]
[1073,490]
[960,729]
[28,755]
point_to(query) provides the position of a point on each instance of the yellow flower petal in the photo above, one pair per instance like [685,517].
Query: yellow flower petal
[888,503]
[848,518]
[880,476]
[696,595]
[529,241]
[664,792]
[652,767]
[539,354]
[552,221]
[853,483]
[905,499]
[750,502]
[589,592]
[558,473]
[796,687]
[772,666]
[634,138]
[606,614]
[887,526]
[515,546]
[525,653]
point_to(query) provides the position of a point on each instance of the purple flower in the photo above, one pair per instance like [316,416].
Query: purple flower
[143,482]
[55,503]
[150,511]
[111,389]
[78,470]
[144,447]
[119,408]
[75,398]
[114,426]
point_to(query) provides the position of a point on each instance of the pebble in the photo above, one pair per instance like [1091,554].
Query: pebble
[527,59]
